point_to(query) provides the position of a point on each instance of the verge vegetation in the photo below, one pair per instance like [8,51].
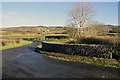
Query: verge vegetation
[7,44]
[100,34]
[89,60]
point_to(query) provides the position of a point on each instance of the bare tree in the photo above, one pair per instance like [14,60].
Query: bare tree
[80,16]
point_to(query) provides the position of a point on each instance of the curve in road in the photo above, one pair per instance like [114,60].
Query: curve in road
[23,62]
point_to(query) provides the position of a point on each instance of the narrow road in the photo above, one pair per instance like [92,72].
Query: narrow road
[23,62]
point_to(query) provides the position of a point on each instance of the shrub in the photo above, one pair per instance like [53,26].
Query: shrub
[8,42]
[91,31]
[116,51]
[3,44]
[56,37]
[73,33]
[91,40]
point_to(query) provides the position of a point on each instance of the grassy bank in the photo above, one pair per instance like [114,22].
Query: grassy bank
[24,36]
[15,45]
[56,40]
[81,59]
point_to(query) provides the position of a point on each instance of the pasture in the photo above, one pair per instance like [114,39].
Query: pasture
[15,37]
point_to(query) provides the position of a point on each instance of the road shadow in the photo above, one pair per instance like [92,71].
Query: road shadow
[32,48]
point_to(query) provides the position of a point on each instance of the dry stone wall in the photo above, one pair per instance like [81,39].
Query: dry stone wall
[78,49]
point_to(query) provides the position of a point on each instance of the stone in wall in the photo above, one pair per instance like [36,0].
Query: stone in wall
[81,50]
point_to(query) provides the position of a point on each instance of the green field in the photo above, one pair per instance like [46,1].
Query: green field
[112,33]
[15,45]
[24,36]
[41,32]
[56,40]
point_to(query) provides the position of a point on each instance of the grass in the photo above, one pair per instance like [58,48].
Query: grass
[81,59]
[55,31]
[57,35]
[113,33]
[42,38]
[15,45]
[24,36]
[40,46]
[56,40]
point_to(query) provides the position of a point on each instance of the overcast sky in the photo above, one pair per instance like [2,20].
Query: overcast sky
[52,13]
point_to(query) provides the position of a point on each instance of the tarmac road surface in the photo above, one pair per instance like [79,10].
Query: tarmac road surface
[23,62]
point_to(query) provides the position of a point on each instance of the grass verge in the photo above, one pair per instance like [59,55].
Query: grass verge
[23,36]
[57,40]
[81,59]
[15,45]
